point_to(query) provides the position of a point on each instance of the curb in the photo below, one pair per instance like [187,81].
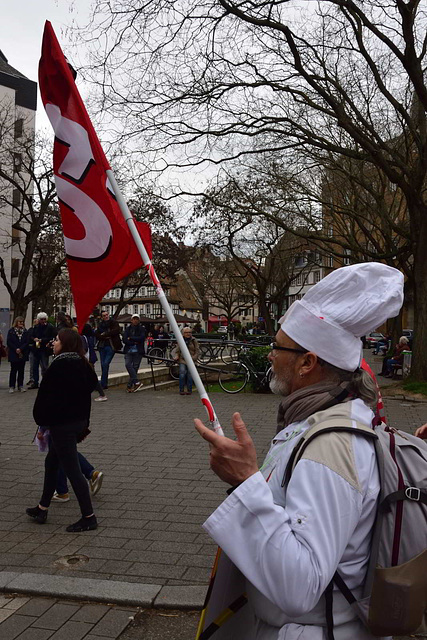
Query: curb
[148,596]
[405,398]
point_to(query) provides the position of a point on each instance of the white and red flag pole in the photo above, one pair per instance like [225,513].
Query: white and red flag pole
[103,242]
[165,305]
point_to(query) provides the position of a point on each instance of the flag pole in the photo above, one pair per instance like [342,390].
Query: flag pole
[165,304]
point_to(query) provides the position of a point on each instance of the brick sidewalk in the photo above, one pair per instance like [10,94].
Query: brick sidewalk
[24,618]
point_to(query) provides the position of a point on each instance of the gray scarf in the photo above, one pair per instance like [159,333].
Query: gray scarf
[301,404]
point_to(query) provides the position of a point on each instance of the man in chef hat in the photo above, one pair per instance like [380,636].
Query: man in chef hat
[289,542]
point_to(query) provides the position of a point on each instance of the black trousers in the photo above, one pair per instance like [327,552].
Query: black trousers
[17,368]
[63,452]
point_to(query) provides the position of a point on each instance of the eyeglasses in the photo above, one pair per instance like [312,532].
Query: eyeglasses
[275,347]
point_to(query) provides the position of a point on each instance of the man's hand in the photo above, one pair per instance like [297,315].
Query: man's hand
[421,432]
[232,460]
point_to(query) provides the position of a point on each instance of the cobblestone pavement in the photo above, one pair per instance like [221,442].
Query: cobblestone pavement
[23,618]
[157,491]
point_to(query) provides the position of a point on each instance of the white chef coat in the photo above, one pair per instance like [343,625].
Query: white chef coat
[289,545]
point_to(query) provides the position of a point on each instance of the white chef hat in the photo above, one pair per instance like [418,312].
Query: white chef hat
[347,304]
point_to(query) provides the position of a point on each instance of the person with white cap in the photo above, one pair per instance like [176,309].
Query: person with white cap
[289,542]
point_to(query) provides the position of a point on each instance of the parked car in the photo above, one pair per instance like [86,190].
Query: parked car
[222,329]
[373,338]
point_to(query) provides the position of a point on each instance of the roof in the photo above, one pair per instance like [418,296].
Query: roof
[5,67]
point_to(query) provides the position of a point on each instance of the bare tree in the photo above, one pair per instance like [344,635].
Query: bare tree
[223,78]
[32,232]
[241,219]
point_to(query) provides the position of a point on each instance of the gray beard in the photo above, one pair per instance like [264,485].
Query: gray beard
[280,386]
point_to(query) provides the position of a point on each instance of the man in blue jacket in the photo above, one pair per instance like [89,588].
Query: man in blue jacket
[133,339]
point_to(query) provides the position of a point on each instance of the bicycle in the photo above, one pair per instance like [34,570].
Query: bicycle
[234,377]
[218,350]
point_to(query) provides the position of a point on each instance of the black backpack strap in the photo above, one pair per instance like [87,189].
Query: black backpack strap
[329,610]
[408,493]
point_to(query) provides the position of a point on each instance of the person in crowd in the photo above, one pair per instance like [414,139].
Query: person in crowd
[108,335]
[63,321]
[3,353]
[383,345]
[31,348]
[133,340]
[63,406]
[18,347]
[162,339]
[41,343]
[93,477]
[185,379]
[397,358]
[289,538]
[89,342]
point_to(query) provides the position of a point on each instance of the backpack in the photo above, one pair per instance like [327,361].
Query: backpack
[394,599]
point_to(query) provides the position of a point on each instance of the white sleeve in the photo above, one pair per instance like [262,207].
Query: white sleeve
[290,554]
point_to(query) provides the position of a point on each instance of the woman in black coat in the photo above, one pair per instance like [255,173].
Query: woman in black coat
[18,348]
[63,406]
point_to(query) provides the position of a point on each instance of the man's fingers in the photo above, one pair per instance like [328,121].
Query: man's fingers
[206,433]
[240,429]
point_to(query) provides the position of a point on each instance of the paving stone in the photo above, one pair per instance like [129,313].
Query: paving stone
[14,625]
[32,633]
[36,606]
[56,616]
[90,613]
[112,624]
[181,597]
[15,603]
[5,613]
[4,600]
[87,589]
[74,630]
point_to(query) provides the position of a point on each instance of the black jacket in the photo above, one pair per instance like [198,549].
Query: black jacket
[64,393]
[14,343]
[45,333]
[109,333]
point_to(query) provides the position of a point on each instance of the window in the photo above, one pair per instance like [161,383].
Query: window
[135,308]
[316,276]
[15,268]
[117,293]
[156,310]
[16,198]
[17,162]
[148,310]
[331,261]
[298,280]
[347,261]
[19,127]
[330,231]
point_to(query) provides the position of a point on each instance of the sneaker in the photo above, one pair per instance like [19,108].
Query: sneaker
[188,393]
[137,386]
[39,515]
[22,390]
[33,386]
[11,390]
[130,389]
[182,393]
[101,399]
[61,497]
[95,483]
[84,524]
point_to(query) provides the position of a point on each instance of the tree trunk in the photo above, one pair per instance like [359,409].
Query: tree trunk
[20,308]
[419,347]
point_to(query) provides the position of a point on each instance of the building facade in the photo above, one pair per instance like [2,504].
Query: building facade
[18,102]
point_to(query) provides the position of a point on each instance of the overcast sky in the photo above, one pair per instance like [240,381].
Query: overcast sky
[21,31]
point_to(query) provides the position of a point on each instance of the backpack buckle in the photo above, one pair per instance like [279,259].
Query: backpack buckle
[413,493]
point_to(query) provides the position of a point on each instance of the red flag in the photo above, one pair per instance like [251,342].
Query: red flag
[99,247]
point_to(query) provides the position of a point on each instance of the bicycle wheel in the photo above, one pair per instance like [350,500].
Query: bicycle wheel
[233,377]
[157,356]
[205,355]
[229,354]
[174,371]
